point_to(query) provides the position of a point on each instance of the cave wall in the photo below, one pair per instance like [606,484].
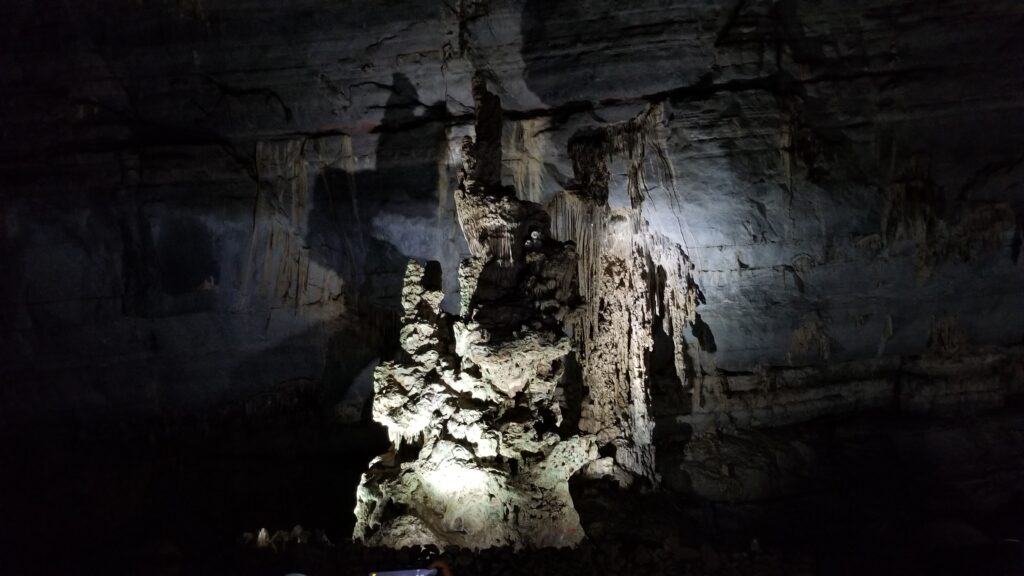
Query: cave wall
[206,202]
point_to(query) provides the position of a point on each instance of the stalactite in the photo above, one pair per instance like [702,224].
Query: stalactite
[279,267]
[526,157]
[628,276]
[577,267]
[580,220]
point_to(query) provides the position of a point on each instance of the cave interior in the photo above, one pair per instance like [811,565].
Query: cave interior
[529,287]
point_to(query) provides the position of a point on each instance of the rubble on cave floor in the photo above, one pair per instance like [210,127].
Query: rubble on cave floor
[588,559]
[671,553]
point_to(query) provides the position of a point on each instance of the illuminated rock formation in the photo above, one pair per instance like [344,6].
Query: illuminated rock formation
[629,278]
[480,456]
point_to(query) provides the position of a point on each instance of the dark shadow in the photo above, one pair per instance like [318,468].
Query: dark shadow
[272,453]
[411,146]
[190,483]
[367,224]
[702,332]
[548,28]
[185,255]
[584,51]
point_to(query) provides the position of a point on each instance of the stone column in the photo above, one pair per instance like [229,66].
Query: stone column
[479,455]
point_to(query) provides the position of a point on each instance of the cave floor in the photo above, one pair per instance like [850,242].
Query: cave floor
[185,506]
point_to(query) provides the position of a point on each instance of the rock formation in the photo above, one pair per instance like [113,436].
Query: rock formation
[479,457]
[759,224]
[629,277]
[835,177]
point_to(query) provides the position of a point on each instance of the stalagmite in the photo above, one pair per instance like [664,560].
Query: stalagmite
[473,404]
[478,458]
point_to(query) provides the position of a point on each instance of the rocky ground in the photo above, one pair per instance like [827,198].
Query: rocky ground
[926,554]
[886,497]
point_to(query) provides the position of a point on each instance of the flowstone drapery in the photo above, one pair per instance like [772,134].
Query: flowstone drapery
[479,455]
[630,280]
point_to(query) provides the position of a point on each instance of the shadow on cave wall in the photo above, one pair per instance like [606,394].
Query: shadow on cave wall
[367,225]
[363,225]
[299,446]
[546,77]
[405,181]
[274,454]
[308,439]
[573,51]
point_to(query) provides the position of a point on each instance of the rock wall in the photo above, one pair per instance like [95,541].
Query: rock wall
[212,200]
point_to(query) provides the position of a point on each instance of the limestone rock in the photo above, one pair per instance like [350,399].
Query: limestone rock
[841,160]
[470,404]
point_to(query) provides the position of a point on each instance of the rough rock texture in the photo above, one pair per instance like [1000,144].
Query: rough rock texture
[477,458]
[632,281]
[852,163]
[214,201]
[843,168]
